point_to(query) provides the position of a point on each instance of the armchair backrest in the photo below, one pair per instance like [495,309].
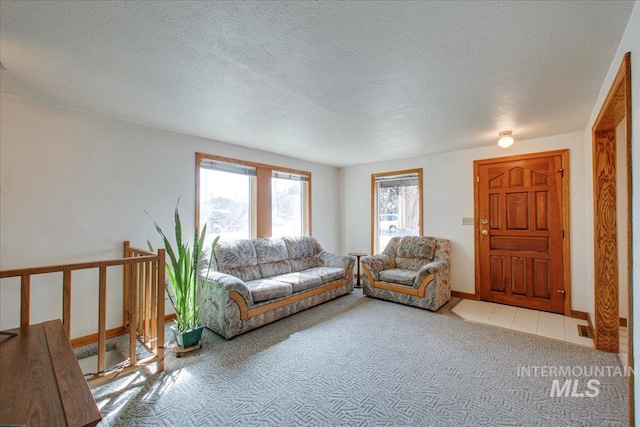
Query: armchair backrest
[413,252]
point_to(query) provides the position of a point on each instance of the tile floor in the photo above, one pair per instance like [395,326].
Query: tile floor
[541,323]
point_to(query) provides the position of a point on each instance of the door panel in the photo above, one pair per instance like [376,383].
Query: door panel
[520,248]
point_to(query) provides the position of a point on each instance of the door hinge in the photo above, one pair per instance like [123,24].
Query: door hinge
[561,171]
[477,179]
[563,234]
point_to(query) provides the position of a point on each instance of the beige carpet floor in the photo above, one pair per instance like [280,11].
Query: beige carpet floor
[357,361]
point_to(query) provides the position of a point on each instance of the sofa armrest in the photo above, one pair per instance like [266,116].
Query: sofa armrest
[221,284]
[337,260]
[378,263]
[438,268]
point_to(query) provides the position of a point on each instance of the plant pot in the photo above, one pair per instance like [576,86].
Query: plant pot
[188,338]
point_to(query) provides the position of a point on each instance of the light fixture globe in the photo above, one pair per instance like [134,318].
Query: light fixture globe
[505,140]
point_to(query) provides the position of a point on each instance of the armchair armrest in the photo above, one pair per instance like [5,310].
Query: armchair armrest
[378,263]
[435,267]
[337,260]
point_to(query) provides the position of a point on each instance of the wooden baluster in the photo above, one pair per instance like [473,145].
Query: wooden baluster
[102,321]
[147,302]
[126,289]
[66,301]
[154,306]
[25,300]
[133,320]
[140,283]
[160,307]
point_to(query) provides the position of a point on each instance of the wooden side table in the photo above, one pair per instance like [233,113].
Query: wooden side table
[358,255]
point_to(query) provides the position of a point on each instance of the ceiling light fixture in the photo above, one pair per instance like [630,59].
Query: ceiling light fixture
[505,140]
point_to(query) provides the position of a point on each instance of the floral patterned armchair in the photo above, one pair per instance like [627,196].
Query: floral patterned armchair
[412,270]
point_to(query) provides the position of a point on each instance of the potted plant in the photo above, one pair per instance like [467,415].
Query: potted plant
[185,294]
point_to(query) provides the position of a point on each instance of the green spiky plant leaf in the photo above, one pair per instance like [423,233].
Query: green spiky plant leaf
[182,268]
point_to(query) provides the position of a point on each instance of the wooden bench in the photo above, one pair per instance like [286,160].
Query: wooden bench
[41,383]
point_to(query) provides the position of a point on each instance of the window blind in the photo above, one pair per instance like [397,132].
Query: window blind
[228,167]
[290,176]
[397,180]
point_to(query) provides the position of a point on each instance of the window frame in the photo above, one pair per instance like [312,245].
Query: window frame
[261,205]
[374,202]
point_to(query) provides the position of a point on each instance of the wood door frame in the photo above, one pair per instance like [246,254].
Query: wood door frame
[615,108]
[564,206]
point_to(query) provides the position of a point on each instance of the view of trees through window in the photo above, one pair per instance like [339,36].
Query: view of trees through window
[287,196]
[397,210]
[230,205]
[226,200]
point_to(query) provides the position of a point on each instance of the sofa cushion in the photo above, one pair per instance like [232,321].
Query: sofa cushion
[301,246]
[415,251]
[235,253]
[266,289]
[327,274]
[303,252]
[272,255]
[238,258]
[399,275]
[300,281]
[270,250]
[305,263]
[275,268]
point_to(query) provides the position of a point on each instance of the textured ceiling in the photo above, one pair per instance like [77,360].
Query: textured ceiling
[339,83]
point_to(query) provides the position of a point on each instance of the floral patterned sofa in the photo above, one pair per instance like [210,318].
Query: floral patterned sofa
[412,270]
[259,281]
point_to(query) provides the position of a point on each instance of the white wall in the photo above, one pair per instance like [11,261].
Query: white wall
[448,196]
[630,43]
[75,185]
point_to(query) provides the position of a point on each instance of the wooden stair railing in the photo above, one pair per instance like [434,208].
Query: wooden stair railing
[143,287]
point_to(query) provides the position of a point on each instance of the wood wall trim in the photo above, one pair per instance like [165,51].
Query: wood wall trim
[517,157]
[583,315]
[93,338]
[476,224]
[605,250]
[463,295]
[110,333]
[264,219]
[200,156]
[566,227]
[616,106]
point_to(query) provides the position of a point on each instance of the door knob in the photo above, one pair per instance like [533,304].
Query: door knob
[485,232]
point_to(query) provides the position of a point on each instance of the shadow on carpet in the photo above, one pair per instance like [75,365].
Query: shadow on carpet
[360,361]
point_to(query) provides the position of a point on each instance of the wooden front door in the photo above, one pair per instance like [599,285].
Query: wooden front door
[519,226]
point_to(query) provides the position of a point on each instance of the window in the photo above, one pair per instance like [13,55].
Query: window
[226,196]
[288,207]
[396,206]
[243,200]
